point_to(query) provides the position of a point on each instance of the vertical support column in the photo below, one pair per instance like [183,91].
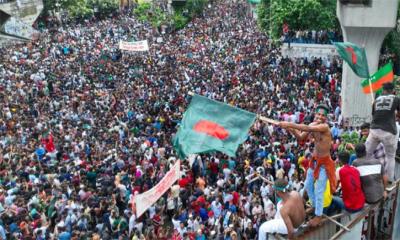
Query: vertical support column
[366,26]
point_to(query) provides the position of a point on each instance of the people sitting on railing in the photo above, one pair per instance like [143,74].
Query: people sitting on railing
[290,212]
[373,178]
[349,177]
[332,204]
[313,36]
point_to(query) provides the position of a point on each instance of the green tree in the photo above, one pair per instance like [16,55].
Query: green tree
[80,8]
[179,21]
[147,12]
[77,8]
[299,15]
[391,44]
[195,7]
[104,7]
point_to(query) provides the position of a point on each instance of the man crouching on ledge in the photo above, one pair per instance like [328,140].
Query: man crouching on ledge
[322,167]
[290,212]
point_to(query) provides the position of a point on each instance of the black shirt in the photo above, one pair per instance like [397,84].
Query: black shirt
[383,113]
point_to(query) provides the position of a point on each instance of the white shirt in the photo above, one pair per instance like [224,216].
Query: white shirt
[132,223]
[176,223]
[264,191]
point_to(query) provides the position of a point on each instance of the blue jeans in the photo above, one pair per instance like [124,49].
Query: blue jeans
[316,193]
[337,205]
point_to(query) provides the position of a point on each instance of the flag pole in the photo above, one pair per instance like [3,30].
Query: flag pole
[267,120]
[264,119]
[370,88]
[369,76]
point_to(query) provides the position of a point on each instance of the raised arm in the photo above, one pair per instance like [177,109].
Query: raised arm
[305,128]
[300,136]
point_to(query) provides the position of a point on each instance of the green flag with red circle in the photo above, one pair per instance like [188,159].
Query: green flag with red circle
[210,126]
[355,57]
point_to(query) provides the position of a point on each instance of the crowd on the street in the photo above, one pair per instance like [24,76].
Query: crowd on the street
[84,127]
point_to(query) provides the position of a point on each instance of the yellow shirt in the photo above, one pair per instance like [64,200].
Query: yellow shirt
[327,195]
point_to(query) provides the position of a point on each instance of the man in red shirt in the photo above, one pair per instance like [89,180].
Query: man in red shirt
[214,171]
[352,193]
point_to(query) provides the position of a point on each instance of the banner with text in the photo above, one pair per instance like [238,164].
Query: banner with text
[145,200]
[134,46]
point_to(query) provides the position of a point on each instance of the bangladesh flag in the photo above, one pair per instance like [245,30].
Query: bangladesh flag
[384,75]
[354,56]
[209,126]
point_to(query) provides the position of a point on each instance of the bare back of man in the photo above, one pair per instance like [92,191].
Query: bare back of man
[293,208]
[290,212]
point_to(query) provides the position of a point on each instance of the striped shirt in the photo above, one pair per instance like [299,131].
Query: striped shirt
[371,171]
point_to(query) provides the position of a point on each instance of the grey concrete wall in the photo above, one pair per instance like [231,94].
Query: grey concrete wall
[26,10]
[365,26]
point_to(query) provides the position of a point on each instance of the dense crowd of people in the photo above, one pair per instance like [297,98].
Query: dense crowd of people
[84,127]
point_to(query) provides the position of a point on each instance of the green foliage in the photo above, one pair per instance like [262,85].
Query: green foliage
[104,6]
[299,15]
[146,13]
[80,8]
[347,138]
[195,7]
[392,41]
[77,8]
[183,13]
[264,15]
[179,21]
[142,9]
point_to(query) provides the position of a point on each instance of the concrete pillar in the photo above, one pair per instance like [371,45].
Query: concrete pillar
[366,26]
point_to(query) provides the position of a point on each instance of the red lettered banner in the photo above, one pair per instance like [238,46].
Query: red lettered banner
[145,200]
[134,46]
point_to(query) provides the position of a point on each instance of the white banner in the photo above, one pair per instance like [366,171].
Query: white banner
[134,46]
[145,200]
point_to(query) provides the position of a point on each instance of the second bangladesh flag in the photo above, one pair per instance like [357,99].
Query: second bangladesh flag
[354,56]
[209,126]
[384,75]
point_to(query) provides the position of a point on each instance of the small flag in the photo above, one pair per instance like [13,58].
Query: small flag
[209,126]
[354,56]
[384,75]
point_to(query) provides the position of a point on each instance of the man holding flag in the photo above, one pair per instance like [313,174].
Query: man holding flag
[383,126]
[322,167]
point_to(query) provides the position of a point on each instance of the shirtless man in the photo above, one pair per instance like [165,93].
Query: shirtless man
[322,166]
[290,212]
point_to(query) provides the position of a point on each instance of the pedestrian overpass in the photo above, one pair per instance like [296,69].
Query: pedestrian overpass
[17,18]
